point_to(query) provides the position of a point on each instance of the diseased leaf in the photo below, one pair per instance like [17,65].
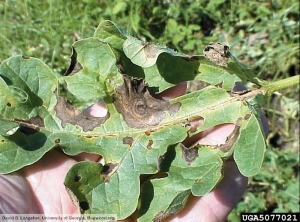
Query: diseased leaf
[141,134]
[81,174]
[89,83]
[214,75]
[161,77]
[250,148]
[217,53]
[29,142]
[198,176]
[111,33]
[134,157]
[7,127]
[26,75]
[145,54]
[143,151]
[138,108]
[242,71]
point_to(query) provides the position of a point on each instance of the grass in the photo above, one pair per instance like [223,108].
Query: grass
[262,34]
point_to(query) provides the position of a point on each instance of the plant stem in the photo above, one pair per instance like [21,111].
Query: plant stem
[280,84]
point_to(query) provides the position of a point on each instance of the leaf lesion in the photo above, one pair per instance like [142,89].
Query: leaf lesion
[231,139]
[217,53]
[108,170]
[67,113]
[138,107]
[30,126]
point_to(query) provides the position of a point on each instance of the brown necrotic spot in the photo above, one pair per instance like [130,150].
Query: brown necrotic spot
[217,53]
[138,108]
[150,142]
[128,140]
[67,113]
[231,139]
[151,50]
[109,170]
[247,116]
[189,154]
[30,126]
[159,217]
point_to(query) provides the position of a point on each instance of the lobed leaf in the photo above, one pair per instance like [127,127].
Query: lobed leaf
[87,80]
[249,150]
[197,177]
[140,135]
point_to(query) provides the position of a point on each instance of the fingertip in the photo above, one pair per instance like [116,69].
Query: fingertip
[216,205]
[173,92]
[89,157]
[98,109]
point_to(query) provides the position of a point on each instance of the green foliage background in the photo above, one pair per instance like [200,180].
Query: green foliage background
[262,34]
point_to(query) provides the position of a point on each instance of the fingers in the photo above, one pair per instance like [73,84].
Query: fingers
[46,180]
[213,136]
[97,110]
[14,198]
[216,205]
[89,157]
[173,92]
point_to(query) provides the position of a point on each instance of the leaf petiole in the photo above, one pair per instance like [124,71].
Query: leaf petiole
[280,84]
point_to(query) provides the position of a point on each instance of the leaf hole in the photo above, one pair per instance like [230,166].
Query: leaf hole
[8,104]
[2,141]
[57,140]
[84,205]
[77,178]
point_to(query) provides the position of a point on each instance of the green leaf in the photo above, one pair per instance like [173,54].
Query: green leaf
[7,127]
[31,79]
[214,74]
[126,158]
[138,152]
[200,176]
[88,82]
[250,148]
[111,33]
[242,71]
[140,135]
[145,54]
[78,177]
[162,76]
[27,96]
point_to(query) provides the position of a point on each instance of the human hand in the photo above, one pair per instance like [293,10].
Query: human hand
[39,189]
